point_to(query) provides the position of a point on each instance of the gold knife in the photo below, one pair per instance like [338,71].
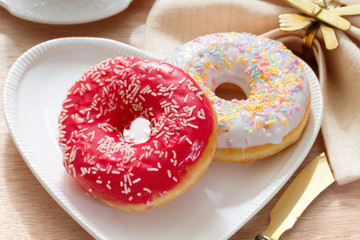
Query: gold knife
[310,182]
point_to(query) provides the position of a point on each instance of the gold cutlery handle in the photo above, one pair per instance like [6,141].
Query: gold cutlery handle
[262,237]
[348,10]
[330,39]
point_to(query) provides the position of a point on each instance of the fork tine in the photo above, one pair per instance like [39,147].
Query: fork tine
[294,21]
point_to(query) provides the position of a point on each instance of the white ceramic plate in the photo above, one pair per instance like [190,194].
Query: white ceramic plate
[219,204]
[64,11]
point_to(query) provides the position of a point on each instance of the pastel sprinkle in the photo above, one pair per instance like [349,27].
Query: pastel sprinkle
[270,122]
[238,59]
[284,120]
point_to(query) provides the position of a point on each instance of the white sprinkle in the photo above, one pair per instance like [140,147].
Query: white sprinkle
[147,190]
[155,144]
[188,140]
[182,138]
[182,123]
[173,100]
[83,171]
[90,160]
[63,118]
[108,169]
[201,114]
[182,80]
[159,135]
[129,180]
[153,169]
[186,97]
[136,180]
[192,125]
[142,98]
[126,188]
[165,105]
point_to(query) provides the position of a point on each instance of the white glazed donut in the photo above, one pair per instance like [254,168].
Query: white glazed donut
[278,95]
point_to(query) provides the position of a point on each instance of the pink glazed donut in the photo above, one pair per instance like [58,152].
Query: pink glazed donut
[127,175]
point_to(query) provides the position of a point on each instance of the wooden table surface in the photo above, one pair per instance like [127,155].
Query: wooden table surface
[27,211]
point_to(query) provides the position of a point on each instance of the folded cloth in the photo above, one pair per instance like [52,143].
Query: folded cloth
[172,23]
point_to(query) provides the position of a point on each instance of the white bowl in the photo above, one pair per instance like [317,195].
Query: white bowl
[64,11]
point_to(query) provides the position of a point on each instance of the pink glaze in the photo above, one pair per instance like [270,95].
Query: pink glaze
[105,101]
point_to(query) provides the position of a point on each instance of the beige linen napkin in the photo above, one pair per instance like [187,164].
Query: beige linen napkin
[173,23]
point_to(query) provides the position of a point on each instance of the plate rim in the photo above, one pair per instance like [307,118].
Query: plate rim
[11,88]
[9,101]
[37,17]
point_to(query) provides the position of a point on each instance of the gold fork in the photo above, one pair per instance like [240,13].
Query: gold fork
[294,21]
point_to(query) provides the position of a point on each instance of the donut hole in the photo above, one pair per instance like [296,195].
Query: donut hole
[230,91]
[138,132]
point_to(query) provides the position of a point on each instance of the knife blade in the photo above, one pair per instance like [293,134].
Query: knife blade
[326,16]
[310,182]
